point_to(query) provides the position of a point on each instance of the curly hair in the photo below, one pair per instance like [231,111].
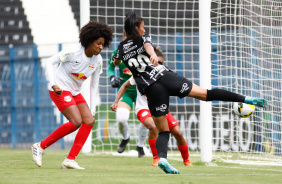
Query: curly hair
[93,31]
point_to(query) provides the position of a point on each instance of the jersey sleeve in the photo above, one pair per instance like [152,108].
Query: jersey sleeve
[118,53]
[100,64]
[146,39]
[49,68]
[111,67]
[94,86]
[132,81]
[66,54]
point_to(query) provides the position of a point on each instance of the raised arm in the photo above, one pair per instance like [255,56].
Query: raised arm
[120,93]
[153,56]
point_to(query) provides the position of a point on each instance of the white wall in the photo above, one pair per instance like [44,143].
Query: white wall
[51,21]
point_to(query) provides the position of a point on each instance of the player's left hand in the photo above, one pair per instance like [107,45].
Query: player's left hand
[114,107]
[154,59]
[57,89]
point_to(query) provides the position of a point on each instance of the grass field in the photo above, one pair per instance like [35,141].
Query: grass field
[16,166]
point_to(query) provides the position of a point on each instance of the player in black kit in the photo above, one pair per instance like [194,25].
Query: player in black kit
[158,82]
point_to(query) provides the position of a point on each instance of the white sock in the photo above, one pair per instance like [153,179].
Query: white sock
[143,132]
[122,116]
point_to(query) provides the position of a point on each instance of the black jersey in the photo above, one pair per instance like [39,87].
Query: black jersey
[134,56]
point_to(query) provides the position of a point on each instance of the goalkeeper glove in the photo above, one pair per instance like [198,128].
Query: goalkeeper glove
[115,81]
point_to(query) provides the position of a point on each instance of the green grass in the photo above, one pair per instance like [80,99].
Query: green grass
[16,166]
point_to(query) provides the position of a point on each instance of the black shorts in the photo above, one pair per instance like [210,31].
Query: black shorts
[158,93]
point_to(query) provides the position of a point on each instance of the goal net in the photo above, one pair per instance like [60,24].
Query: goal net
[246,55]
[246,58]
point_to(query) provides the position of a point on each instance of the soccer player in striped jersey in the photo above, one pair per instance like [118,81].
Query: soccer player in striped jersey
[76,65]
[125,105]
[158,82]
[144,116]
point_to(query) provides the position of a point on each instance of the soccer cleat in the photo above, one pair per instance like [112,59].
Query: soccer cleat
[155,162]
[167,167]
[140,151]
[188,163]
[37,153]
[256,101]
[122,145]
[70,164]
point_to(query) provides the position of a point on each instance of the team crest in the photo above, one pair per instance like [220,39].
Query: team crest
[67,98]
[144,113]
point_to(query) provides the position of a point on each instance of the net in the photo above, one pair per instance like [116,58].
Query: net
[246,58]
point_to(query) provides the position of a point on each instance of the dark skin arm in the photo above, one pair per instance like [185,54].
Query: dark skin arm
[57,89]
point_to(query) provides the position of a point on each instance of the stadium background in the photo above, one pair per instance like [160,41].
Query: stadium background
[29,36]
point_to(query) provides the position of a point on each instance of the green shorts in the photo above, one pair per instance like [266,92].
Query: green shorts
[129,97]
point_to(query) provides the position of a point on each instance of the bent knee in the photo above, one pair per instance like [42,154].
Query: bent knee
[77,122]
[177,134]
[89,121]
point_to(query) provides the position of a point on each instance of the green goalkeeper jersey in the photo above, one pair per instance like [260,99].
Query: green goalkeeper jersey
[124,72]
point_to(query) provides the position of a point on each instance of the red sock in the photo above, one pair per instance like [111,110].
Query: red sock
[79,141]
[60,132]
[184,152]
[152,143]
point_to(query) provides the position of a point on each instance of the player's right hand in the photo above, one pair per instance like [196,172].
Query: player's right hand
[57,89]
[115,81]
[154,59]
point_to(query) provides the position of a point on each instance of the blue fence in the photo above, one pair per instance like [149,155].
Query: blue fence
[26,111]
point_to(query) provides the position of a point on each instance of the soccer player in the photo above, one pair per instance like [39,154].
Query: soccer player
[76,65]
[144,116]
[125,106]
[158,82]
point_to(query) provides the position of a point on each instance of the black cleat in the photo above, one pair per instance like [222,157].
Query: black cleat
[141,153]
[122,145]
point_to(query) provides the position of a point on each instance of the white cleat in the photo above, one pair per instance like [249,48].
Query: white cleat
[70,164]
[37,153]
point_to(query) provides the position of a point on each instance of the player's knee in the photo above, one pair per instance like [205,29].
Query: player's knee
[153,129]
[177,134]
[89,121]
[77,122]
[122,115]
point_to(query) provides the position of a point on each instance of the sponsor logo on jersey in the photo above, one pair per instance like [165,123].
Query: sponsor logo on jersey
[185,87]
[67,54]
[173,122]
[127,71]
[67,98]
[79,76]
[147,38]
[129,55]
[91,66]
[100,67]
[127,46]
[161,108]
[157,71]
[144,113]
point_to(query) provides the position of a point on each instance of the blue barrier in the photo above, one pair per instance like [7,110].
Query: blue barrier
[26,110]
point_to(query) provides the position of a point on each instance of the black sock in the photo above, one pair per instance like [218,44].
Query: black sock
[224,95]
[162,144]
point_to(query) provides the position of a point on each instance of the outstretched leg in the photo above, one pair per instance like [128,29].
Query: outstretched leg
[224,95]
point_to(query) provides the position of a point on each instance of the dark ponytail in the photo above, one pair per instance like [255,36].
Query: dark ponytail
[130,22]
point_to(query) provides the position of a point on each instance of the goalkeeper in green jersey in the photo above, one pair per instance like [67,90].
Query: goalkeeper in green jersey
[125,106]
